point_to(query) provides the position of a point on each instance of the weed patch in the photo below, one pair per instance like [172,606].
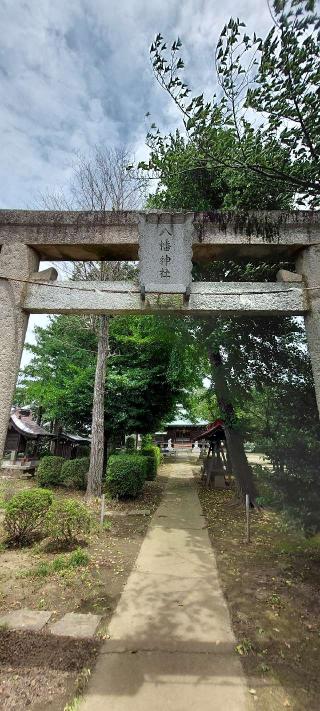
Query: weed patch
[76,559]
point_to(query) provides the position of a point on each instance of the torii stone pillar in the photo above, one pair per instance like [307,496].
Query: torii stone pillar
[16,260]
[308,264]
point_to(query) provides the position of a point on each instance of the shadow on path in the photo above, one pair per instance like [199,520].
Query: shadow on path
[171,644]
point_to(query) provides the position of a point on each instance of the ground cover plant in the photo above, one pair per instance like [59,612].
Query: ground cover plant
[76,559]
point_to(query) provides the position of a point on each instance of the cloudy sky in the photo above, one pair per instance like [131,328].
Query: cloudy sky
[76,73]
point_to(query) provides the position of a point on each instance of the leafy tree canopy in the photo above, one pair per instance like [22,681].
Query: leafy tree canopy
[150,370]
[265,121]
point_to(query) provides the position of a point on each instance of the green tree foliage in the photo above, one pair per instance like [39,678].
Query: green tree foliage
[228,157]
[281,420]
[149,368]
[189,182]
[277,79]
[131,444]
[240,355]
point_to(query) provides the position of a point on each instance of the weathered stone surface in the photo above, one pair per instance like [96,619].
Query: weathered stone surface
[45,275]
[308,265]
[75,624]
[160,681]
[16,260]
[134,512]
[114,235]
[206,297]
[284,276]
[25,619]
[170,644]
[165,252]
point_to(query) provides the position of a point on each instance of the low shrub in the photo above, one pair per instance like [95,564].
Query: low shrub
[49,471]
[74,473]
[68,521]
[158,455]
[153,455]
[126,474]
[146,441]
[25,514]
[130,443]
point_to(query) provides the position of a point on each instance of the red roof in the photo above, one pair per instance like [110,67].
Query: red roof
[215,426]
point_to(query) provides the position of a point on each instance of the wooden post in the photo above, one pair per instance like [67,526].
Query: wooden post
[103,499]
[95,473]
[247,518]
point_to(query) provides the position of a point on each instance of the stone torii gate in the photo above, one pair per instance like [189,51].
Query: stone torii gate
[162,241]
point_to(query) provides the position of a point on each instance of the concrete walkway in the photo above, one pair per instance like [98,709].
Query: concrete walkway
[171,644]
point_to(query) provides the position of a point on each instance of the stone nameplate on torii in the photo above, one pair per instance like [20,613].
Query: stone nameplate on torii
[165,253]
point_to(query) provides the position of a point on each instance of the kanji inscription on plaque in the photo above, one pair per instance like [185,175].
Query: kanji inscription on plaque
[165,252]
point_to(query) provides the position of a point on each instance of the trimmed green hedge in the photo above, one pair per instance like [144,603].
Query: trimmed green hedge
[126,474]
[153,456]
[25,515]
[74,473]
[49,471]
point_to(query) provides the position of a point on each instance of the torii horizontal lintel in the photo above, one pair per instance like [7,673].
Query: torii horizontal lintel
[78,235]
[225,298]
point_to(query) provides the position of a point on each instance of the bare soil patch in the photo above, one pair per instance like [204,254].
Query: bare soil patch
[272,586]
[39,671]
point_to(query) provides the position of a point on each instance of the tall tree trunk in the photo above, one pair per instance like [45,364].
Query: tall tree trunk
[95,474]
[55,429]
[235,444]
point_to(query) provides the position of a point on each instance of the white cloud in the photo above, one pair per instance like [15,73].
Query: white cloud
[76,73]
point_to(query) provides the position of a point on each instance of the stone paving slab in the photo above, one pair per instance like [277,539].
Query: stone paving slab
[171,645]
[75,624]
[158,681]
[176,551]
[170,613]
[135,512]
[26,619]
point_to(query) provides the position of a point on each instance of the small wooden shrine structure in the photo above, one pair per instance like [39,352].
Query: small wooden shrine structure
[23,439]
[71,446]
[216,465]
